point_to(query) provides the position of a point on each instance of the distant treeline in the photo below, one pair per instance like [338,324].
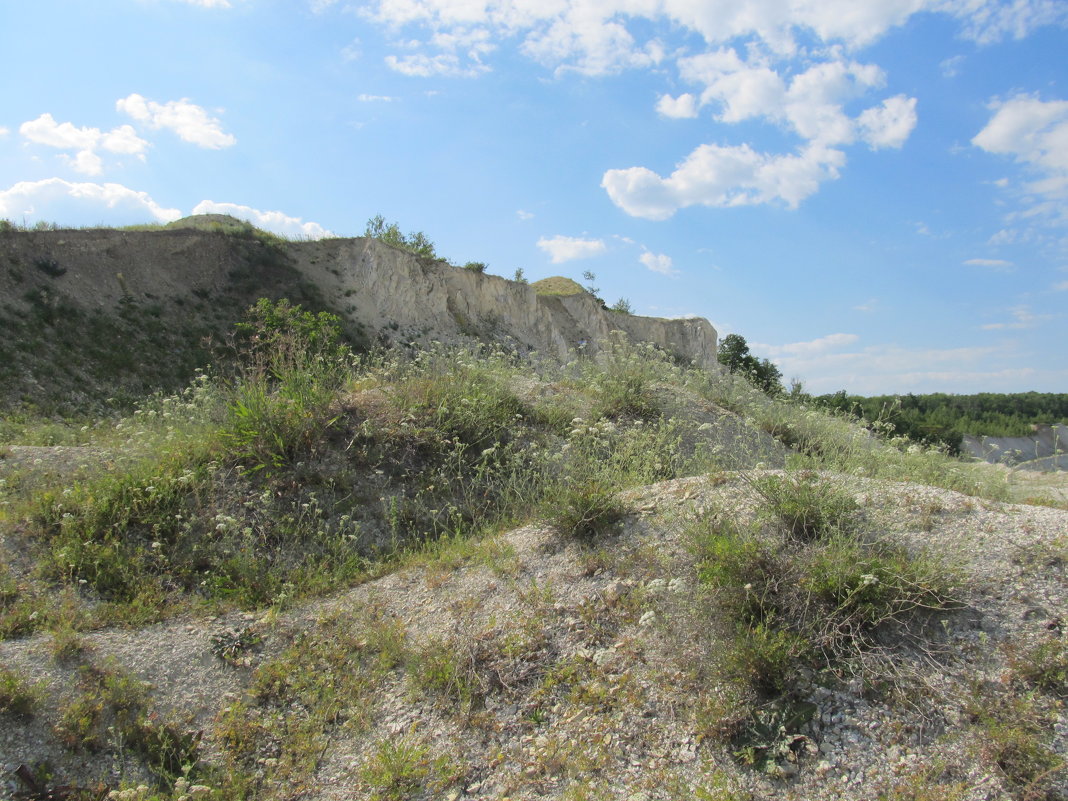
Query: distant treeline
[945,419]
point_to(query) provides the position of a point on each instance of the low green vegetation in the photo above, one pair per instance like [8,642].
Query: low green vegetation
[110,709]
[806,590]
[390,233]
[18,698]
[301,469]
[557,285]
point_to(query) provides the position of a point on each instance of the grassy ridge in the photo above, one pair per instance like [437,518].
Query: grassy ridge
[293,476]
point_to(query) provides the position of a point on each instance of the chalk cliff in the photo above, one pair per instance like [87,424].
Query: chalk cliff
[402,297]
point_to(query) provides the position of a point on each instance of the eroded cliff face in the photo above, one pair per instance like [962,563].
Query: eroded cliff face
[406,298]
[185,283]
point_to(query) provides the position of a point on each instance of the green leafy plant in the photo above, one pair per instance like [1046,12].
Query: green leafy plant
[771,735]
[112,710]
[232,645]
[1016,739]
[292,370]
[399,767]
[791,605]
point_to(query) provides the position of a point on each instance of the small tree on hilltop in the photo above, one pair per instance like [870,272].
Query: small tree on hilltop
[735,356]
[390,233]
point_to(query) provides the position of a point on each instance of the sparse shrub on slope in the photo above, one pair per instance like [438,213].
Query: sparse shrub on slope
[292,368]
[390,233]
[808,506]
[808,591]
[621,379]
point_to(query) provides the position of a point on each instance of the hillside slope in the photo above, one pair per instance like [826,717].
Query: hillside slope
[117,314]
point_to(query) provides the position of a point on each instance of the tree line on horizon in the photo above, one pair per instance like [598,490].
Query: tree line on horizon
[936,418]
[943,418]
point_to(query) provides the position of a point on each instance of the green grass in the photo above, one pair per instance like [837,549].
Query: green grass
[806,505]
[18,698]
[110,710]
[557,285]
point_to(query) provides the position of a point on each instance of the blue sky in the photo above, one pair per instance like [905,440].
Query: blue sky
[873,192]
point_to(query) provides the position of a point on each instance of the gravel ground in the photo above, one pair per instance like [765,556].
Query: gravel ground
[626,618]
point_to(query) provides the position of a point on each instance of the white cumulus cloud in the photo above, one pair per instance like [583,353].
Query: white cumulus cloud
[889,124]
[1035,134]
[719,176]
[1031,130]
[680,108]
[122,140]
[54,199]
[189,121]
[63,135]
[658,263]
[568,248]
[798,73]
[274,221]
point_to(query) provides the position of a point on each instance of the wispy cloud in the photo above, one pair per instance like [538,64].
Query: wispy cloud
[567,248]
[998,265]
[1024,318]
[886,369]
[375,98]
[524,215]
[951,66]
[809,348]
